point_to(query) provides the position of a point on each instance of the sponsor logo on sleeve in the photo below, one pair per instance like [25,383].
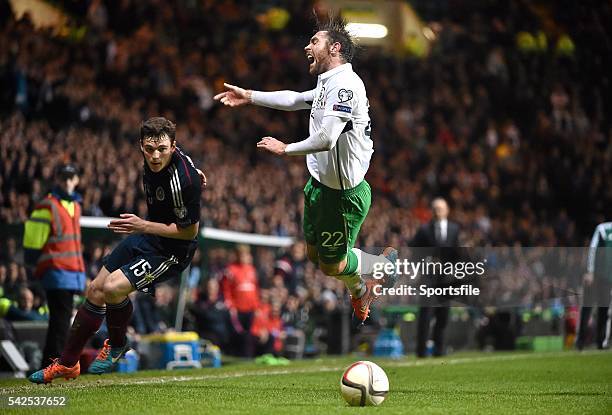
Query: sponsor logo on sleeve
[342,108]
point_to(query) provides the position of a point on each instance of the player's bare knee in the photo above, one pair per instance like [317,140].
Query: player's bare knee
[95,294]
[116,287]
[109,289]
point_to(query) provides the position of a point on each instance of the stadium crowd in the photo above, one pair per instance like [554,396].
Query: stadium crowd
[518,140]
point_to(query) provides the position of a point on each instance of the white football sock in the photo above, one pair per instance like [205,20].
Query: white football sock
[354,283]
[366,263]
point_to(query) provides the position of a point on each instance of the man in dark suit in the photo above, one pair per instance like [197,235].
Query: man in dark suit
[442,234]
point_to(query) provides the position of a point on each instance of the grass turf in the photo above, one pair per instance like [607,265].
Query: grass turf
[538,383]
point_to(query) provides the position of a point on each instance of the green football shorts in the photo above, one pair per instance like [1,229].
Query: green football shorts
[332,218]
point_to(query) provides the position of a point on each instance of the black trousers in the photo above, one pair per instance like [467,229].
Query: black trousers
[601,327]
[243,342]
[425,315]
[60,310]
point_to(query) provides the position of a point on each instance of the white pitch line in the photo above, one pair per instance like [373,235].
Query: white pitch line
[169,379]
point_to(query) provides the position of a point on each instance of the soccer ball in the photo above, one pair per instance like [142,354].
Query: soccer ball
[364,384]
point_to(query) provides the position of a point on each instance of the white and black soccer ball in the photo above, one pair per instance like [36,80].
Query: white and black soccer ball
[364,384]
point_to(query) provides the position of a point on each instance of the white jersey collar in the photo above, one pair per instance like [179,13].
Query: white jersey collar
[343,67]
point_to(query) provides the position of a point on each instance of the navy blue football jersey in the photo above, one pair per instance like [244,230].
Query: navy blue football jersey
[173,196]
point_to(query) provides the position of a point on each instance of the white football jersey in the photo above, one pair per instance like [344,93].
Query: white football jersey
[340,92]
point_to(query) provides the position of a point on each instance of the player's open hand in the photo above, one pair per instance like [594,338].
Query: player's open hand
[203,179]
[272,145]
[128,224]
[234,96]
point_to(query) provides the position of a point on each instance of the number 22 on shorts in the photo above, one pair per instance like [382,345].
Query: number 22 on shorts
[332,239]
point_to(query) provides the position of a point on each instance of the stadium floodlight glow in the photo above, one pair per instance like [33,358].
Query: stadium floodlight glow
[367,30]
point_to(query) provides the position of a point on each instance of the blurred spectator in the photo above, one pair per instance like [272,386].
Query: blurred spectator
[294,315]
[165,304]
[212,318]
[145,317]
[15,279]
[24,309]
[240,294]
[267,330]
[154,313]
[195,274]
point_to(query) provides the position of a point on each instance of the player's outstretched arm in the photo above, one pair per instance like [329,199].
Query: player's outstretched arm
[323,140]
[280,100]
[129,223]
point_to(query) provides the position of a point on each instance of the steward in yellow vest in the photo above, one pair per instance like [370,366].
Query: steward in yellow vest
[52,245]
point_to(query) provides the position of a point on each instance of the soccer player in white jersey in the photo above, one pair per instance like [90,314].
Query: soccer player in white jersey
[338,152]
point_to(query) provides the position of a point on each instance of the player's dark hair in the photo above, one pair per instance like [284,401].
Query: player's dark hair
[157,128]
[335,26]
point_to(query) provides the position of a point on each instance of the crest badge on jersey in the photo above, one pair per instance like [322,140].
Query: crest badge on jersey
[159,194]
[345,95]
[180,212]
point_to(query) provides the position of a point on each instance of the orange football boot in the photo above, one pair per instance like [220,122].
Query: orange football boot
[54,371]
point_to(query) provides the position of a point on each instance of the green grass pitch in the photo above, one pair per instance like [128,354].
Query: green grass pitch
[468,383]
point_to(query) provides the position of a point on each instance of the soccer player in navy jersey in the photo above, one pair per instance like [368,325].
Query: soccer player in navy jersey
[157,248]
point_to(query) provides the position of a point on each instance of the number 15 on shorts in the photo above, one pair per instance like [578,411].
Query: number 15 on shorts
[141,267]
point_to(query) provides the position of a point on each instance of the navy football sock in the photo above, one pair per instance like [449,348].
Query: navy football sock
[87,321]
[117,319]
